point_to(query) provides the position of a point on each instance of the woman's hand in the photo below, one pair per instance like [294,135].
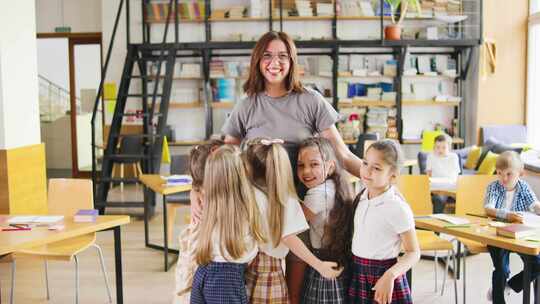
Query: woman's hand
[328,270]
[384,288]
[196,200]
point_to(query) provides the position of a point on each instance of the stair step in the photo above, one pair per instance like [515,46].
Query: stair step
[139,95]
[127,180]
[126,156]
[113,204]
[131,114]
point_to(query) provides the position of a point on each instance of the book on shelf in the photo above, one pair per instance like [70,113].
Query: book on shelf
[85,215]
[517,231]
[187,10]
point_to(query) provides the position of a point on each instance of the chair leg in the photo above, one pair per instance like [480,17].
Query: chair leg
[76,279]
[104,271]
[12,293]
[436,261]
[47,280]
[464,277]
[171,218]
[445,273]
[455,276]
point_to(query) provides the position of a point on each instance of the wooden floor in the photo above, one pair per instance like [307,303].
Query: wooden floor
[145,281]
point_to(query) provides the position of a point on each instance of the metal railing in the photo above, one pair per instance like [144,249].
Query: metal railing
[54,100]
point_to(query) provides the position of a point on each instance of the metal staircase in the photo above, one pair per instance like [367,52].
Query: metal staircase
[154,106]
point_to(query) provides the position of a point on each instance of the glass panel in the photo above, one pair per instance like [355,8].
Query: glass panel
[54,102]
[534,6]
[87,64]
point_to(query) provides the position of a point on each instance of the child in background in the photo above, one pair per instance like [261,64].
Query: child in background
[442,164]
[229,231]
[505,199]
[383,227]
[269,170]
[186,266]
[329,210]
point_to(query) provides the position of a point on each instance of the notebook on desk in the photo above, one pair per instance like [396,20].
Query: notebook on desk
[35,219]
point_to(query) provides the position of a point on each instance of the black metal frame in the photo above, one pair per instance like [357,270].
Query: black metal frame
[205,49]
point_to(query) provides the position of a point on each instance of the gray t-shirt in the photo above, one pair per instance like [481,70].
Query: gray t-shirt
[293,117]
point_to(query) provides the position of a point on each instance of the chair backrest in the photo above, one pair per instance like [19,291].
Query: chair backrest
[422,161]
[471,190]
[68,195]
[415,190]
[130,145]
[180,164]
[363,140]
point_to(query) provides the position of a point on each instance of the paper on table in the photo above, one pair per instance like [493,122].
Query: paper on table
[35,219]
[451,219]
[530,219]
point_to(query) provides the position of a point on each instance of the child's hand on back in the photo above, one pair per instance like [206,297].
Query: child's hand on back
[328,270]
[384,288]
[515,218]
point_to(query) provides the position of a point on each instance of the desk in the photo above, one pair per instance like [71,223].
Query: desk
[155,183]
[480,232]
[18,240]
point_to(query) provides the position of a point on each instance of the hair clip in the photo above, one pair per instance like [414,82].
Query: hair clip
[268,142]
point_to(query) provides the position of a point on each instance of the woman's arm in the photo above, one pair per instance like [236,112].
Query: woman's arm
[350,161]
[385,285]
[326,269]
[231,140]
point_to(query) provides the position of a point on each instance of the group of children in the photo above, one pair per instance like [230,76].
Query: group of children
[247,217]
[505,199]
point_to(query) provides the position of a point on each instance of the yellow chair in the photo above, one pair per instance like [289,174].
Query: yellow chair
[470,199]
[66,197]
[415,189]
[428,140]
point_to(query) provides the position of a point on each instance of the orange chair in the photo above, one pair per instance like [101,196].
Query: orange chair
[415,190]
[470,194]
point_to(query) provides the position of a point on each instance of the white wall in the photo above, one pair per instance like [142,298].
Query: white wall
[19,105]
[53,60]
[80,15]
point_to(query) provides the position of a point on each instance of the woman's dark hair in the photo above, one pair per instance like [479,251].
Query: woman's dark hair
[256,82]
[337,238]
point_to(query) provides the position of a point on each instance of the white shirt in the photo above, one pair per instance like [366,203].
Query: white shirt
[218,256]
[378,222]
[443,166]
[320,200]
[508,199]
[294,222]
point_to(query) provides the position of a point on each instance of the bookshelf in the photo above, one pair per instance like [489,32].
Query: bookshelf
[334,46]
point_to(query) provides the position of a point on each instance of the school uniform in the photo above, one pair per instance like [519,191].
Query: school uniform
[265,280]
[186,265]
[376,244]
[320,200]
[222,280]
[520,199]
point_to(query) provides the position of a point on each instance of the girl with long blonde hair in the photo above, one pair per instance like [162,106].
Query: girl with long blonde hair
[230,229]
[270,172]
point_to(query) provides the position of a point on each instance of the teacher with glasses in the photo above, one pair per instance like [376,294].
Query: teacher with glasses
[279,106]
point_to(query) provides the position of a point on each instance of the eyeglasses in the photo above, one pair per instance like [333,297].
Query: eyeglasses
[282,57]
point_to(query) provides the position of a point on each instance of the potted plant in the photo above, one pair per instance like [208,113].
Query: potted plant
[393,31]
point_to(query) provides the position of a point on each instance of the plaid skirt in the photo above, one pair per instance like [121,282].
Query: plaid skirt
[265,281]
[366,273]
[219,283]
[319,290]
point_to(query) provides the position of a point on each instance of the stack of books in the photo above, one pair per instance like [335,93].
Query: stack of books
[349,8]
[258,8]
[217,69]
[187,10]
[224,89]
[190,70]
[377,121]
[236,12]
[303,7]
[325,9]
[177,180]
[85,215]
[517,231]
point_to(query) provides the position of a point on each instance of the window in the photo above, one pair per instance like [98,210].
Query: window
[533,75]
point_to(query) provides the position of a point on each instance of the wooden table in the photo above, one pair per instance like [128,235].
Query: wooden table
[12,241]
[480,231]
[157,184]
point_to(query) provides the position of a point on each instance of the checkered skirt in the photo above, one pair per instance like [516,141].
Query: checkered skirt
[219,283]
[319,290]
[366,272]
[265,281]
